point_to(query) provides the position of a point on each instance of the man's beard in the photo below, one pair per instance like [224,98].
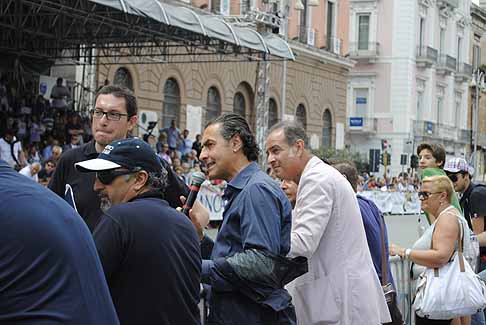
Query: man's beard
[105,203]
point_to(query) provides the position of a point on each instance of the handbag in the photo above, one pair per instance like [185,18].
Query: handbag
[451,291]
[388,290]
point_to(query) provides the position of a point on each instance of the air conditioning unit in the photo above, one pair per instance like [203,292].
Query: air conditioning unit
[311,37]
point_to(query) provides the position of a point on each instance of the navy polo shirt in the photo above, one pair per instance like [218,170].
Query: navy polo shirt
[152,262]
[257,214]
[50,272]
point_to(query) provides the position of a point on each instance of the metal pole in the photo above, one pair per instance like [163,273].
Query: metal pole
[283,96]
[478,76]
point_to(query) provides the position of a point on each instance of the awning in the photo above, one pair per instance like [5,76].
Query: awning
[137,31]
[207,25]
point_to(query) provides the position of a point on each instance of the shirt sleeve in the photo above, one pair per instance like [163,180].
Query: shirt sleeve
[109,238]
[260,218]
[312,213]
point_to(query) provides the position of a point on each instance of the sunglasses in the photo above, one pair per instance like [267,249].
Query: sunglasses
[107,177]
[425,195]
[453,177]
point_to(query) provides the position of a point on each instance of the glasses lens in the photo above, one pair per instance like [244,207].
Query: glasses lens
[106,177]
[452,177]
[423,195]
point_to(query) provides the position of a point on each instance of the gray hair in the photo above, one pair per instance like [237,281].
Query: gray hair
[157,181]
[293,131]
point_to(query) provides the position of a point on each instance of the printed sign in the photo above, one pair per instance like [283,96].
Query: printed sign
[356,122]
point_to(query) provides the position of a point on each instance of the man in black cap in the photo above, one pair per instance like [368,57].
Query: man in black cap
[149,251]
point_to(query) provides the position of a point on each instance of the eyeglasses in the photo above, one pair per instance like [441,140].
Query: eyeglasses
[107,177]
[453,177]
[425,195]
[110,116]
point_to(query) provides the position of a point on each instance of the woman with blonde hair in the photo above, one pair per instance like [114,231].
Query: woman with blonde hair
[435,194]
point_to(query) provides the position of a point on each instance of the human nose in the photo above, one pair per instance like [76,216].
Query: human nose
[203,155]
[270,158]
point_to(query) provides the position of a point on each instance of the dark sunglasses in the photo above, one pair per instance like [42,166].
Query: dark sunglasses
[107,177]
[425,195]
[453,177]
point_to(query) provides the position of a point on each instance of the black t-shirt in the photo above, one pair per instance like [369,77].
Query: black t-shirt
[151,258]
[50,272]
[473,203]
[86,199]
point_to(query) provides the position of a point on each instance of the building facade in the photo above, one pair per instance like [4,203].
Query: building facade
[411,81]
[315,83]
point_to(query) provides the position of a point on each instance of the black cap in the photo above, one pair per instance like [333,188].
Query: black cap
[128,153]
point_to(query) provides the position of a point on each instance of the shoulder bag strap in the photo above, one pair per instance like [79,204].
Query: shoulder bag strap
[12,152]
[384,264]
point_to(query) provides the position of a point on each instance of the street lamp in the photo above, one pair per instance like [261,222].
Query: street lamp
[478,84]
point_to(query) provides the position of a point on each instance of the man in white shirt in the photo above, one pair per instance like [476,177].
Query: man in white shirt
[11,150]
[31,171]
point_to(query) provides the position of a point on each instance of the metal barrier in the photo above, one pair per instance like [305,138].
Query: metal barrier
[400,269]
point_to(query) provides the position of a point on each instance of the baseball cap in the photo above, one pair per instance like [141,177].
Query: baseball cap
[128,153]
[456,165]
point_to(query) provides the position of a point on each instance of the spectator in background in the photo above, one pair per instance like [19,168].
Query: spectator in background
[32,154]
[191,158]
[46,172]
[173,135]
[196,145]
[56,153]
[74,127]
[161,141]
[35,131]
[164,153]
[60,94]
[31,171]
[176,163]
[49,143]
[75,142]
[11,150]
[186,144]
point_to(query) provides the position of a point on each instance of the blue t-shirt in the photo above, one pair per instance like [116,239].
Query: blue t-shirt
[50,272]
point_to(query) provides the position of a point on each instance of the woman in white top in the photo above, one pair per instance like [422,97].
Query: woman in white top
[435,195]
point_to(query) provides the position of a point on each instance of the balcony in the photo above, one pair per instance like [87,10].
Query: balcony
[446,64]
[364,52]
[464,72]
[362,125]
[426,56]
[446,132]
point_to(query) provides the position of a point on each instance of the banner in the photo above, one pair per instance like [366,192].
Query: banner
[211,196]
[394,202]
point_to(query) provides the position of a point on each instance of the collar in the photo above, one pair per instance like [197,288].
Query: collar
[240,180]
[90,150]
[149,194]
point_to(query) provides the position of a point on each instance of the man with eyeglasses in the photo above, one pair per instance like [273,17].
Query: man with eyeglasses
[113,117]
[149,251]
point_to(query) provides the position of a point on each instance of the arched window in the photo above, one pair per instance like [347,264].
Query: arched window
[123,78]
[239,104]
[272,112]
[301,116]
[172,103]
[213,107]
[326,129]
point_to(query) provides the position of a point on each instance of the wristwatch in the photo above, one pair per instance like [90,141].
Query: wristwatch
[408,251]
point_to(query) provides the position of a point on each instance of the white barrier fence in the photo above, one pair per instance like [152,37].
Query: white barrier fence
[401,274]
[394,202]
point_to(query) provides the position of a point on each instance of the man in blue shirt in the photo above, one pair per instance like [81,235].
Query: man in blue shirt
[257,215]
[50,272]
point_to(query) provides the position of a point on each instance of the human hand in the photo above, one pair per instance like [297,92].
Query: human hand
[396,250]
[199,216]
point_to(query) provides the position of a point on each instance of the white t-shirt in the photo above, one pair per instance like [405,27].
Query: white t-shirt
[6,154]
[26,171]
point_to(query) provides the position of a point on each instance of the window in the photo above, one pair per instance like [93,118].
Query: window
[239,104]
[459,48]
[123,78]
[330,25]
[245,6]
[440,102]
[326,129]
[361,102]
[422,33]
[442,41]
[172,102]
[363,31]
[213,107]
[300,116]
[476,56]
[272,112]
[420,105]
[458,110]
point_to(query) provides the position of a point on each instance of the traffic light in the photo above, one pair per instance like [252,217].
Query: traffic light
[414,161]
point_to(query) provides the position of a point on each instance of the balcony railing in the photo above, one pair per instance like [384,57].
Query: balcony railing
[426,56]
[424,129]
[464,72]
[362,125]
[446,132]
[364,51]
[447,64]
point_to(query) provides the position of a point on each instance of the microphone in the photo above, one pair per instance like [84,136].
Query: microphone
[197,179]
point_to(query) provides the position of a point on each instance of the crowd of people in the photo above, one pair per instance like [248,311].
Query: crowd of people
[308,250]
